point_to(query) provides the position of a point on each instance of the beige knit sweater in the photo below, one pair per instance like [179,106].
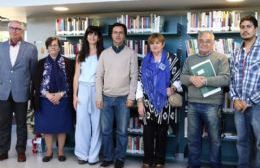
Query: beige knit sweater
[117,74]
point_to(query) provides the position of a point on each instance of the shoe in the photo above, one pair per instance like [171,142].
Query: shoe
[47,158]
[93,163]
[82,161]
[119,164]
[61,158]
[21,157]
[106,163]
[3,156]
[145,165]
[159,166]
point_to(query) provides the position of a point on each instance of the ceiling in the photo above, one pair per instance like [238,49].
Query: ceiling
[22,9]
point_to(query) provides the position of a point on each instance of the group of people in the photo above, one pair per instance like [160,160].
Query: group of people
[103,84]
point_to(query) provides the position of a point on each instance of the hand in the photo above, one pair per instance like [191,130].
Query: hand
[57,97]
[170,91]
[129,103]
[51,97]
[141,109]
[99,104]
[198,81]
[240,105]
[75,102]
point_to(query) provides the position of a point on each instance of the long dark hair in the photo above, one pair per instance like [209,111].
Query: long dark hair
[84,52]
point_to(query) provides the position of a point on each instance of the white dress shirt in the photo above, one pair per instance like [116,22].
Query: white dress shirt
[14,52]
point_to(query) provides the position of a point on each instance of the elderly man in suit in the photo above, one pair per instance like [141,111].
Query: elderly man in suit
[17,65]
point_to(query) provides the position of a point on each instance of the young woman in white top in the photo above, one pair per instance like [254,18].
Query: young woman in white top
[87,135]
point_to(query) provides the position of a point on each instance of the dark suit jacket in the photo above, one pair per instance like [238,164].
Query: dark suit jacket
[17,79]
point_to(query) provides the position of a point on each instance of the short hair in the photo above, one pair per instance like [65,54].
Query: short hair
[17,21]
[50,40]
[250,18]
[120,25]
[156,36]
[201,33]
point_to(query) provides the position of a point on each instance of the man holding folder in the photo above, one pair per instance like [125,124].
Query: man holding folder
[204,74]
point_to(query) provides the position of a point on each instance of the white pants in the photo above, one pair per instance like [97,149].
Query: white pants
[87,135]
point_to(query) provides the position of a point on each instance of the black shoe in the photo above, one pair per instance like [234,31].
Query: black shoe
[119,164]
[106,163]
[82,161]
[47,158]
[61,158]
[21,157]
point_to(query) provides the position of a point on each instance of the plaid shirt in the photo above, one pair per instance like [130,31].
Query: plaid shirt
[245,74]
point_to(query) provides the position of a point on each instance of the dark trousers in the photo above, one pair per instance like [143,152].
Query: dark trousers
[7,108]
[155,141]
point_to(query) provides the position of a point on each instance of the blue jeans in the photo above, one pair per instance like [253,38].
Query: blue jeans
[248,137]
[207,114]
[114,108]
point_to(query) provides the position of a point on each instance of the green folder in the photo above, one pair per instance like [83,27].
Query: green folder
[206,69]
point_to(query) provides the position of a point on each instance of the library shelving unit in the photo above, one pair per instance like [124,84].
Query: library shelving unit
[225,26]
[140,26]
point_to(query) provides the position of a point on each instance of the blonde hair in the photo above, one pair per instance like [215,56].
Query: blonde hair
[156,36]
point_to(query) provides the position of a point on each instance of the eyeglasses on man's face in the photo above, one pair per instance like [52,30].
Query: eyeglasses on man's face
[53,46]
[16,29]
[206,42]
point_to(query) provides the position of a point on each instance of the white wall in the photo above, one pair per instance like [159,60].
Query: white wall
[39,29]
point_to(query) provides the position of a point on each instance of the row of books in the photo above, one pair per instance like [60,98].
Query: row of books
[135,145]
[74,25]
[224,46]
[142,24]
[139,46]
[70,50]
[228,104]
[135,125]
[221,21]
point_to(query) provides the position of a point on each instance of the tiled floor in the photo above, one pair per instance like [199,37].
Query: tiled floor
[35,161]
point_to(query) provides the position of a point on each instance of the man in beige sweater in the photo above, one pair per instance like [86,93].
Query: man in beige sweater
[116,82]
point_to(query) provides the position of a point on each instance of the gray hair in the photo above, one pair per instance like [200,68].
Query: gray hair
[16,21]
[200,33]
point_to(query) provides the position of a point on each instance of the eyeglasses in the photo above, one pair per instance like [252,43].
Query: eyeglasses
[206,42]
[53,46]
[15,29]
[118,32]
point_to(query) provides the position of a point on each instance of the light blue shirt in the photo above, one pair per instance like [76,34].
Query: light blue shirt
[88,69]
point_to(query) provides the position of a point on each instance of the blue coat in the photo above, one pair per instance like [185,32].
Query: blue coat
[17,79]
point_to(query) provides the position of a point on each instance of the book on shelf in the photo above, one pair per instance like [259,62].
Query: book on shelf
[205,69]
[224,46]
[229,135]
[228,104]
[135,145]
[142,24]
[74,25]
[71,50]
[139,46]
[217,21]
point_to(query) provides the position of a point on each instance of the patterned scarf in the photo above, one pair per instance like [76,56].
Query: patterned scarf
[155,78]
[57,74]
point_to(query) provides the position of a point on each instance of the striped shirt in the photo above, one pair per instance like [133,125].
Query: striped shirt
[245,74]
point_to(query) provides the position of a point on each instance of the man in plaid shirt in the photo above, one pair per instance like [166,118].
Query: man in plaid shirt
[245,93]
